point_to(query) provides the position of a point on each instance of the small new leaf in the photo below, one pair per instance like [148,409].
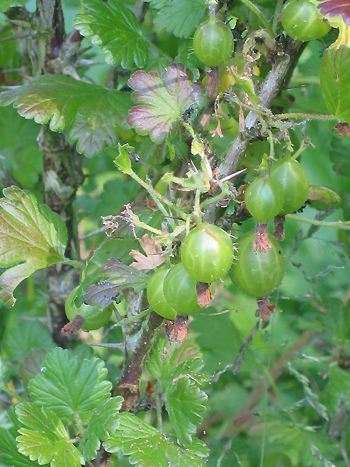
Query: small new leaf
[32,237]
[146,446]
[122,161]
[114,28]
[89,114]
[162,100]
[44,438]
[101,425]
[154,256]
[69,386]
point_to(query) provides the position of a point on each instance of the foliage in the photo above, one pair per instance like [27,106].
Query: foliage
[116,144]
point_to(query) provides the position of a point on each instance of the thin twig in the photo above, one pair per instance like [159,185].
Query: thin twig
[235,366]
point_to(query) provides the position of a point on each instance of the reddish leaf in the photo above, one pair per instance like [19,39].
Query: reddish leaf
[336,8]
[162,100]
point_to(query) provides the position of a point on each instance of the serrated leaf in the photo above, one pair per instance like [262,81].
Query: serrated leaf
[179,370]
[114,28]
[180,18]
[9,456]
[44,438]
[101,425]
[32,237]
[146,446]
[89,114]
[161,100]
[25,337]
[70,386]
[185,404]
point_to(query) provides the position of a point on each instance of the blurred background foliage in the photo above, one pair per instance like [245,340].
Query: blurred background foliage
[289,403]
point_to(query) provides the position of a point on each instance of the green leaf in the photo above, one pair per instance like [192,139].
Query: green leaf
[44,438]
[100,427]
[114,28]
[147,447]
[123,160]
[24,337]
[335,81]
[89,114]
[179,370]
[337,389]
[32,237]
[22,157]
[185,404]
[162,100]
[9,456]
[69,386]
[180,18]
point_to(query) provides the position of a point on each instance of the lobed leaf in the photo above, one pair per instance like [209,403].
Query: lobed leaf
[180,18]
[89,114]
[25,337]
[146,446]
[114,28]
[44,438]
[101,425]
[32,237]
[9,456]
[179,369]
[69,386]
[162,100]
[185,404]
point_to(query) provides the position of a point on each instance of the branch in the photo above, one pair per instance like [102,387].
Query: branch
[128,386]
[235,366]
[271,87]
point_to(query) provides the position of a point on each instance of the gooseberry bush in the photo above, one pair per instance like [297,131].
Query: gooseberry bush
[174,233]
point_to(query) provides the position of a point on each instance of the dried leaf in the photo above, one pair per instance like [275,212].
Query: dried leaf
[154,256]
[203,294]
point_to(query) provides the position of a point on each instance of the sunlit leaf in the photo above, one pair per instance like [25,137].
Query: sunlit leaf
[9,456]
[146,446]
[114,28]
[88,113]
[32,237]
[69,386]
[161,100]
[44,438]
